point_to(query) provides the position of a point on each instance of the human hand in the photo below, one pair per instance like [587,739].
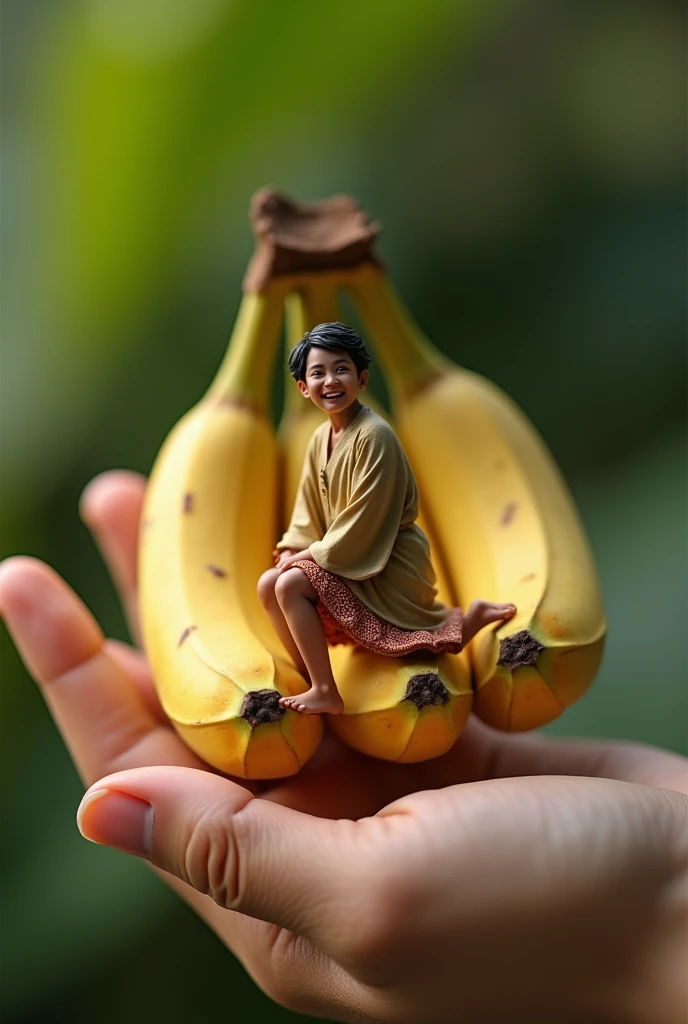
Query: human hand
[514,879]
[290,557]
[280,556]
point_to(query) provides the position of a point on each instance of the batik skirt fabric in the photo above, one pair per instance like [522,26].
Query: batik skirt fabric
[348,621]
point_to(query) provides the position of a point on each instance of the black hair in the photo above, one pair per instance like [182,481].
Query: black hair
[334,337]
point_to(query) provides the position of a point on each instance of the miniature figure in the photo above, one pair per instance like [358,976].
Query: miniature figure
[354,567]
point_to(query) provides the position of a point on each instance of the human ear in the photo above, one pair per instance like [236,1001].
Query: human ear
[362,380]
[303,388]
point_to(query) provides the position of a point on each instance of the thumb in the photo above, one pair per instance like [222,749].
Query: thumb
[250,855]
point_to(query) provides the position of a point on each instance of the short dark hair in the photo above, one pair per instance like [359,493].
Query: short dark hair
[334,337]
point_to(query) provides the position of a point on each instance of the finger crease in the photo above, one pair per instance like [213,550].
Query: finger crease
[235,860]
[64,677]
[140,737]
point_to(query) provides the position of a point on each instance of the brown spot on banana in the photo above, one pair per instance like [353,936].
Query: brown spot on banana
[426,689]
[216,571]
[520,649]
[188,505]
[508,513]
[237,402]
[261,706]
[187,632]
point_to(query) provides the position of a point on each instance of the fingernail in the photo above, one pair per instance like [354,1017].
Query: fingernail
[116,819]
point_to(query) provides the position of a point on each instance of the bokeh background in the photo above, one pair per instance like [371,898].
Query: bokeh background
[527,162]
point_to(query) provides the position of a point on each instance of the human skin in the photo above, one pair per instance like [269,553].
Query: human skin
[515,879]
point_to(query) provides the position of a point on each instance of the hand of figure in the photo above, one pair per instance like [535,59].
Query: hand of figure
[294,556]
[515,879]
[281,556]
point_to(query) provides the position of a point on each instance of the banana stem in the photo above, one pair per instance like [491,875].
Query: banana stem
[245,373]
[321,301]
[316,302]
[410,360]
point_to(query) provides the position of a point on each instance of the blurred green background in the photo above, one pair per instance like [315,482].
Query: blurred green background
[526,160]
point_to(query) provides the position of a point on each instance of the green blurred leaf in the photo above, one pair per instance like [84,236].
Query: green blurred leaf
[133,139]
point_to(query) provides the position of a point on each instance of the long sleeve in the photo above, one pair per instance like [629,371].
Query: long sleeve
[307,524]
[360,539]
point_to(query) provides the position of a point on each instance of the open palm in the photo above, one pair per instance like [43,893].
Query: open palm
[364,890]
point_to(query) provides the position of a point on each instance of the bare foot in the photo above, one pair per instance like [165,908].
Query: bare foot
[314,702]
[482,613]
[497,612]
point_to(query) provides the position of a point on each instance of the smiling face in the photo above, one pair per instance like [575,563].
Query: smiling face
[332,381]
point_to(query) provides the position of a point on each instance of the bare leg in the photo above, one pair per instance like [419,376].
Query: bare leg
[482,613]
[268,598]
[297,599]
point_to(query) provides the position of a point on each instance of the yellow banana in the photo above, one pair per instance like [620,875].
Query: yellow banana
[500,518]
[208,529]
[501,515]
[400,709]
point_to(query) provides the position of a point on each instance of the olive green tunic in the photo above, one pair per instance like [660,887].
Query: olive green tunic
[356,512]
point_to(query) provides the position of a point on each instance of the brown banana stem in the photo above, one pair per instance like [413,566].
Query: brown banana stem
[307,238]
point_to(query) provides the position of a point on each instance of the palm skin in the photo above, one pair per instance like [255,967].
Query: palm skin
[512,879]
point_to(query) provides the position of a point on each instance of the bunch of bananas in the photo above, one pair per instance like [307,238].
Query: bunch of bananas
[500,518]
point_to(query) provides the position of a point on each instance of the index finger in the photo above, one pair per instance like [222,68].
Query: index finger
[104,719]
